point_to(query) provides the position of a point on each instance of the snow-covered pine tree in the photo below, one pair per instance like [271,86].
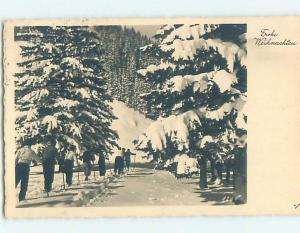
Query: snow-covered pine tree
[60,90]
[201,86]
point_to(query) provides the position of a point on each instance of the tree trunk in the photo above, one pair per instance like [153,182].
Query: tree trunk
[240,177]
[203,173]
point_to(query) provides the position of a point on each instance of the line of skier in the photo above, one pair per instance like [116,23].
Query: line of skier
[123,160]
[50,156]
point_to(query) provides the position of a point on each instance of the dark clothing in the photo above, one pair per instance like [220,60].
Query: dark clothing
[50,154]
[213,170]
[22,175]
[127,155]
[218,169]
[102,165]
[203,172]
[155,155]
[49,157]
[128,158]
[69,164]
[119,165]
[24,157]
[48,170]
[61,165]
[240,175]
[87,168]
[127,163]
[87,159]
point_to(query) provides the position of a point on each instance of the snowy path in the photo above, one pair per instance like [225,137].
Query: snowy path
[143,187]
[140,187]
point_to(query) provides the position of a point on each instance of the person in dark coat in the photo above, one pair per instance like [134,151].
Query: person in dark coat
[49,156]
[24,157]
[69,165]
[155,155]
[101,163]
[202,161]
[212,161]
[87,159]
[119,163]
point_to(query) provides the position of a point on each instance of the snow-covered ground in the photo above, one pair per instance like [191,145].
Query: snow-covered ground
[36,192]
[144,187]
[129,125]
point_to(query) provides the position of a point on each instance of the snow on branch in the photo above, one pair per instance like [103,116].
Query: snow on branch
[83,92]
[72,62]
[51,122]
[154,68]
[90,115]
[219,114]
[187,49]
[35,95]
[178,126]
[164,28]
[172,126]
[200,82]
[29,115]
[47,70]
[187,32]
[50,48]
[75,130]
[66,103]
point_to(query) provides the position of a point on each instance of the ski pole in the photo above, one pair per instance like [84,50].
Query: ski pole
[110,167]
[133,167]
[94,171]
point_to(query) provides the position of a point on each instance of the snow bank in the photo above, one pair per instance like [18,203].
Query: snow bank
[129,125]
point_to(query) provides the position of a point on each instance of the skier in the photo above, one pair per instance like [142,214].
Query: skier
[24,157]
[127,156]
[101,163]
[69,164]
[119,163]
[213,177]
[202,161]
[87,159]
[49,157]
[155,155]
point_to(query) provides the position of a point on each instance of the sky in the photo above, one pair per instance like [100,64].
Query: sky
[148,30]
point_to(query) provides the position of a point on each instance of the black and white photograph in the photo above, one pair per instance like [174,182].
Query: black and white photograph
[130,115]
